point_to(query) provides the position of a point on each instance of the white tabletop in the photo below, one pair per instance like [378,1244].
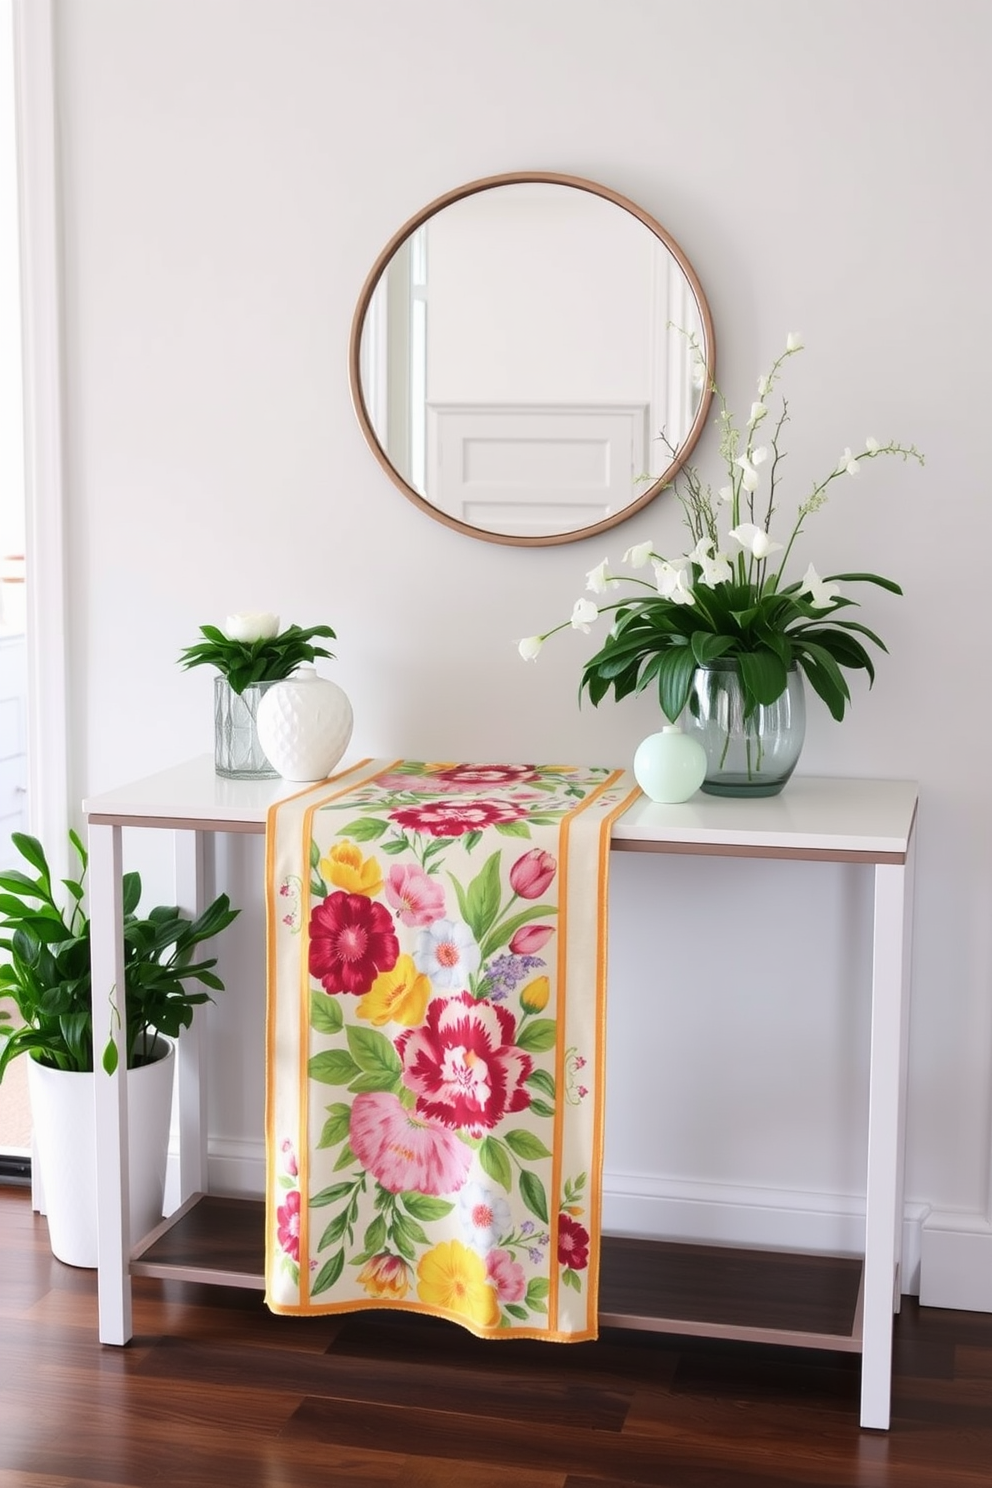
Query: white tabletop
[870,820]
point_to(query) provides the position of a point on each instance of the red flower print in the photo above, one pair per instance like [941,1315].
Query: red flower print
[288,1224]
[455,818]
[476,775]
[351,942]
[573,1244]
[532,873]
[463,1065]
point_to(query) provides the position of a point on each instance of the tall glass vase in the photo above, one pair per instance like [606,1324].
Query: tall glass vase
[746,754]
[237,753]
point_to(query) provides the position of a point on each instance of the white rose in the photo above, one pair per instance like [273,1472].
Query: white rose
[251,625]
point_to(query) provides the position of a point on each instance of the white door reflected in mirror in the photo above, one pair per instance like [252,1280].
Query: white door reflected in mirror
[531,359]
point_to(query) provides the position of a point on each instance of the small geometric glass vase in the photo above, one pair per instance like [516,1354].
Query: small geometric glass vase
[751,755]
[237,753]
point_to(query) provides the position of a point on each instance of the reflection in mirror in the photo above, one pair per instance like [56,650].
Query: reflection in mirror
[531,359]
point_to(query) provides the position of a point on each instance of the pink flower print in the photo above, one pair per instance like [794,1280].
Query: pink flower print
[289,1158]
[506,1275]
[530,938]
[404,1152]
[476,775]
[288,1224]
[532,873]
[463,1065]
[417,898]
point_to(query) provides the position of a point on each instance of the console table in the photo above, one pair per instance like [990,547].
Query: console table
[825,1302]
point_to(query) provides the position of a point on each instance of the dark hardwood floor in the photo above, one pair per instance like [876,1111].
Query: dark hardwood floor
[215,1390]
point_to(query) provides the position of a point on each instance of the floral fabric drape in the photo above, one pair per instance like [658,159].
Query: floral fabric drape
[434,1102]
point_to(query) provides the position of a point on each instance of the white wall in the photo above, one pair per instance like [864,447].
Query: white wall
[231,169]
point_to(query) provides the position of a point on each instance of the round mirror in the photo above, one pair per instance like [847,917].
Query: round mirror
[531,358]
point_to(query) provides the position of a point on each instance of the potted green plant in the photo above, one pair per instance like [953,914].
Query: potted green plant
[722,631]
[46,975]
[250,654]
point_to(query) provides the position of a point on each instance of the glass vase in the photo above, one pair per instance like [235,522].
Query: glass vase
[237,753]
[746,754]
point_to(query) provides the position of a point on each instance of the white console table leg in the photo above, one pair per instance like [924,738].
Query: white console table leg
[113,1199]
[884,1206]
[190,858]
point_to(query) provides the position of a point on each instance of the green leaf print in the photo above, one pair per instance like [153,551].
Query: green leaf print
[333,1067]
[525,1145]
[337,1125]
[537,1036]
[495,1163]
[328,1273]
[482,899]
[334,1230]
[375,1056]
[424,1206]
[533,1195]
[542,1080]
[325,1013]
[512,829]
[365,829]
[515,1310]
[540,1108]
[330,1195]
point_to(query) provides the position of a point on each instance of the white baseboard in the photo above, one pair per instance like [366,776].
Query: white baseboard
[704,1213]
[957,1262]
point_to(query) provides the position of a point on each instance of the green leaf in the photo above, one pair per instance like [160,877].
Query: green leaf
[337,1125]
[525,1145]
[515,1310]
[330,1195]
[533,1194]
[537,1036]
[492,1156]
[763,676]
[570,1278]
[375,1235]
[864,578]
[540,1108]
[483,896]
[542,1079]
[328,1274]
[675,681]
[425,1206]
[333,1067]
[365,829]
[706,646]
[334,1231]
[537,1289]
[513,829]
[325,1013]
[374,1055]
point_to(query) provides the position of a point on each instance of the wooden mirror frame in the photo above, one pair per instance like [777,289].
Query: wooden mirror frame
[378,269]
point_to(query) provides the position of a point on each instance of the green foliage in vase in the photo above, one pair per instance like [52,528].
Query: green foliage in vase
[738,605]
[251,648]
[46,973]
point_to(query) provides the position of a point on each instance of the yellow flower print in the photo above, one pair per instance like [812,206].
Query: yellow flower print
[534,996]
[453,1277]
[345,867]
[397,996]
[386,1276]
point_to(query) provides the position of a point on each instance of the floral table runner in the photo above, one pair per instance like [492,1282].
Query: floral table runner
[435,1043]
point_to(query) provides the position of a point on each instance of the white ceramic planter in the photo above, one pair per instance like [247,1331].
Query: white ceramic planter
[64,1125]
[304,725]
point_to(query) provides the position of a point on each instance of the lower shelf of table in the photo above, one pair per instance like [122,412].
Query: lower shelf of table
[806,1301]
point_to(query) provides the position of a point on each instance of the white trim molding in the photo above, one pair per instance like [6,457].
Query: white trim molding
[956,1268]
[41,310]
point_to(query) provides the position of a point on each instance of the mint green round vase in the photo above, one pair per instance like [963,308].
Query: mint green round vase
[670,766]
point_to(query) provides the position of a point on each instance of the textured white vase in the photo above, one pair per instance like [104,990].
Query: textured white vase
[63,1118]
[304,725]
[670,766]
